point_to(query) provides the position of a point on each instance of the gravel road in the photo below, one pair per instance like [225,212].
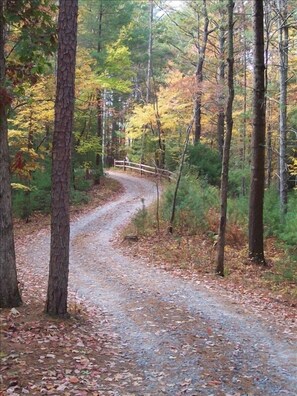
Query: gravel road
[176,336]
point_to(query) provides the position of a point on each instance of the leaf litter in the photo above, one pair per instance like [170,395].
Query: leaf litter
[148,334]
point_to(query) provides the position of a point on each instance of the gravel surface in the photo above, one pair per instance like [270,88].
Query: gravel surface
[176,336]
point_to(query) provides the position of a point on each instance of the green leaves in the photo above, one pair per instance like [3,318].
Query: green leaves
[31,40]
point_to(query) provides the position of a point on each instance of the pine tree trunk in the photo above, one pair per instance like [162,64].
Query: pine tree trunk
[64,106]
[227,144]
[283,53]
[9,292]
[98,161]
[269,149]
[149,53]
[99,133]
[245,117]
[256,229]
[221,96]
[201,48]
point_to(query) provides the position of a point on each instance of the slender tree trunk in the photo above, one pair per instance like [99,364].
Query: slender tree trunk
[64,107]
[267,29]
[181,165]
[227,144]
[269,148]
[201,48]
[256,229]
[244,123]
[149,53]
[99,132]
[283,72]
[98,161]
[221,85]
[160,154]
[9,292]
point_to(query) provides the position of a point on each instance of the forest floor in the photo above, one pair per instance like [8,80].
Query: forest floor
[142,324]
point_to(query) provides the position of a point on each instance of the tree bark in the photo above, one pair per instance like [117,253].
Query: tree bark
[245,117]
[226,149]
[256,229]
[181,164]
[56,304]
[98,161]
[199,75]
[9,292]
[149,52]
[221,96]
[269,148]
[283,54]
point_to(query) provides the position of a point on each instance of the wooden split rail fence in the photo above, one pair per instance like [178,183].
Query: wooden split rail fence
[144,169]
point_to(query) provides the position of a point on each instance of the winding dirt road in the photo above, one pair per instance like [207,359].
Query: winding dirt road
[176,337]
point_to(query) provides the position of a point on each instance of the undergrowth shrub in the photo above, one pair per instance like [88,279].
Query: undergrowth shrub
[37,199]
[205,162]
[285,231]
[239,181]
[41,191]
[140,220]
[80,182]
[238,210]
[194,199]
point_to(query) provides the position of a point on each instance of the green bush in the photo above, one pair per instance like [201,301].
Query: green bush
[21,204]
[80,182]
[78,197]
[205,162]
[140,220]
[37,199]
[194,199]
[41,191]
[288,231]
[239,181]
[238,210]
[272,222]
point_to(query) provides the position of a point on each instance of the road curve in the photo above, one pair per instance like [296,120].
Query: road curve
[178,337]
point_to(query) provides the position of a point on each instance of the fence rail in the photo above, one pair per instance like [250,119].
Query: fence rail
[143,169]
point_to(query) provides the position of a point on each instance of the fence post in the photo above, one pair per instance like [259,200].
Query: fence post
[124,164]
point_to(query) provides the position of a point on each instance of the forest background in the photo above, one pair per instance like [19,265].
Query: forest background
[143,69]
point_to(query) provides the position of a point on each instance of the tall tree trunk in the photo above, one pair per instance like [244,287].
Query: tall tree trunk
[256,243]
[149,53]
[181,165]
[221,96]
[160,153]
[244,123]
[201,49]
[98,161]
[227,144]
[9,292]
[268,21]
[269,147]
[283,72]
[64,107]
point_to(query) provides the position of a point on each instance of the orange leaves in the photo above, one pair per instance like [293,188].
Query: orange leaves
[25,161]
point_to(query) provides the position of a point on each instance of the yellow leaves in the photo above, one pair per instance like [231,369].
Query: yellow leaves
[293,165]
[20,187]
[37,112]
[175,108]
[86,79]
